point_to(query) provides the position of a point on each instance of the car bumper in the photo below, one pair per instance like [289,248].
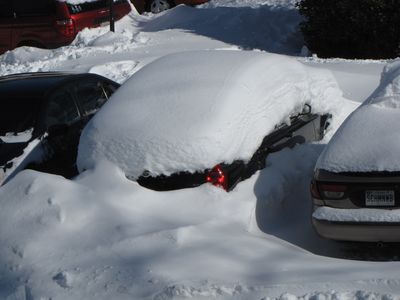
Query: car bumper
[357,231]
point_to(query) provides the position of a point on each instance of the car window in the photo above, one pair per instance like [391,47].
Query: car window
[92,95]
[61,109]
[90,6]
[33,8]
[18,114]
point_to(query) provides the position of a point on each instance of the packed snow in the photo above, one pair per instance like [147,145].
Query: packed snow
[101,236]
[191,111]
[368,140]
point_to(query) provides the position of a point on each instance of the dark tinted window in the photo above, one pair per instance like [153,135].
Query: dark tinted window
[17,114]
[93,94]
[6,10]
[61,109]
[34,7]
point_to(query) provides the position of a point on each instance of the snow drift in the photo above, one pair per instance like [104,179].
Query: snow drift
[190,111]
[369,139]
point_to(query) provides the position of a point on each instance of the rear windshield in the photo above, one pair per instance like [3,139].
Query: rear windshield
[88,6]
[24,8]
[18,115]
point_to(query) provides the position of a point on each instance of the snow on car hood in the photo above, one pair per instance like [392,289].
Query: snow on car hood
[369,140]
[190,111]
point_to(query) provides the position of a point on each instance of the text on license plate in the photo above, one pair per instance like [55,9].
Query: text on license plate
[379,198]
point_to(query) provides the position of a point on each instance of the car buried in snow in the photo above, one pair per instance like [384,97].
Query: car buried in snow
[356,185]
[41,119]
[205,116]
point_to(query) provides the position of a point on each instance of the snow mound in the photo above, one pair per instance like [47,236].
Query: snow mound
[368,139]
[193,110]
[277,26]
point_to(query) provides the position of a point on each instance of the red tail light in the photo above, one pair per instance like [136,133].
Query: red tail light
[218,177]
[66,27]
[332,191]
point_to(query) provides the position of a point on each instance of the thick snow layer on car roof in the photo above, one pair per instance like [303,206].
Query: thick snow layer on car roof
[190,111]
[369,139]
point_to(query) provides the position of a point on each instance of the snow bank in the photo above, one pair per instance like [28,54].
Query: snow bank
[193,110]
[102,236]
[369,140]
[247,24]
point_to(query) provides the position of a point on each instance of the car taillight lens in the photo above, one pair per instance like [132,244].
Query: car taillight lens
[218,177]
[332,191]
[66,27]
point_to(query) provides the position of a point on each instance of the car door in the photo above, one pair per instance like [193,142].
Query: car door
[34,23]
[6,25]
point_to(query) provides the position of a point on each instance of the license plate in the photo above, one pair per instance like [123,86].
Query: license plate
[379,198]
[107,23]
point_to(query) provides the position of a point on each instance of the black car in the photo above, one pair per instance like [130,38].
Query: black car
[42,117]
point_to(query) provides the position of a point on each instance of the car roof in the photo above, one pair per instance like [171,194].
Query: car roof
[35,84]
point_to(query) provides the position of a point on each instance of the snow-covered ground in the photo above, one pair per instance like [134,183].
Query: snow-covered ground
[101,236]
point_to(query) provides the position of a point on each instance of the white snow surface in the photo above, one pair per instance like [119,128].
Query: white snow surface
[368,139]
[190,111]
[100,236]
[17,137]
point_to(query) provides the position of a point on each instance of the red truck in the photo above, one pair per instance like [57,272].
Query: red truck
[51,23]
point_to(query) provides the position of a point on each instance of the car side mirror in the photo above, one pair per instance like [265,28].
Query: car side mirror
[58,129]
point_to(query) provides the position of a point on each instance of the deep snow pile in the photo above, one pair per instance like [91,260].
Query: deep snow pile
[191,111]
[368,139]
[246,24]
[102,236]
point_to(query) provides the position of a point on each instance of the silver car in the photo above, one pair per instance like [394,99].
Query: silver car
[356,184]
[356,206]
